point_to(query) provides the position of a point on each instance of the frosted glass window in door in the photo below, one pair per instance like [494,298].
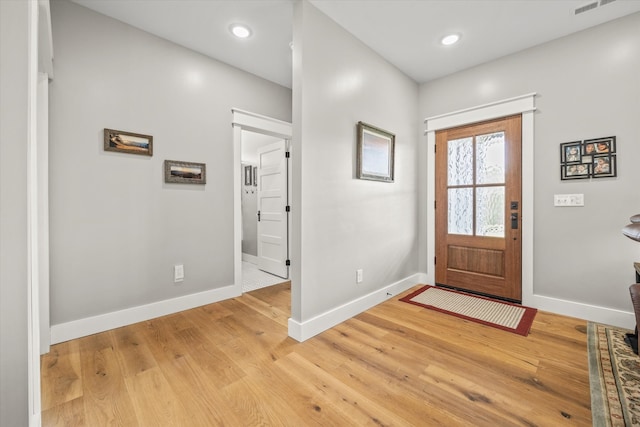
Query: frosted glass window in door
[490,158]
[490,211]
[460,161]
[460,211]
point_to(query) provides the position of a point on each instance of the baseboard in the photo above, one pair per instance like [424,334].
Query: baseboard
[35,420]
[309,328]
[103,322]
[608,316]
[320,323]
[250,258]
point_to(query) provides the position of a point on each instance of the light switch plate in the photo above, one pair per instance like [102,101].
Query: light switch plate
[178,273]
[565,200]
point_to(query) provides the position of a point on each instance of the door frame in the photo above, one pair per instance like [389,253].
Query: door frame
[247,121]
[524,105]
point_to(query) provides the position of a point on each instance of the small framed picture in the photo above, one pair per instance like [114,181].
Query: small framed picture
[128,142]
[570,152]
[255,176]
[604,166]
[185,172]
[601,145]
[575,171]
[376,148]
[248,174]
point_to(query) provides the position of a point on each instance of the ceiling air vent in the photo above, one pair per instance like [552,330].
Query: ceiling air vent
[586,8]
[603,2]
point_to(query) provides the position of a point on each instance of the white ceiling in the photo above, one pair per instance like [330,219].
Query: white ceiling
[405,32]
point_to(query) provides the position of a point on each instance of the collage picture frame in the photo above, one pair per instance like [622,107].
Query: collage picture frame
[591,158]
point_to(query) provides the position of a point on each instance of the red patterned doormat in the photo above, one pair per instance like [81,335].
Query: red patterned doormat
[498,314]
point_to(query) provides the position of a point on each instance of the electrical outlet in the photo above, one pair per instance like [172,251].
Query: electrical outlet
[178,273]
[359,275]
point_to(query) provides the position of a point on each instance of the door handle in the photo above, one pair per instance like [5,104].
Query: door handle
[258,216]
[514,221]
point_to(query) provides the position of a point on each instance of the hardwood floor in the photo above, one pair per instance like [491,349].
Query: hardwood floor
[231,363]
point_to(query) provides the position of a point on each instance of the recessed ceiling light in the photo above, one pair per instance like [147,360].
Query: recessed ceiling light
[450,39]
[240,31]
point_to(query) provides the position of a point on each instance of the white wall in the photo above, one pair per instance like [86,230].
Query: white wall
[341,223]
[116,228]
[588,87]
[14,409]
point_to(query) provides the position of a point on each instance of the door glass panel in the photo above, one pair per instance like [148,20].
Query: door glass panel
[490,211]
[461,211]
[460,159]
[490,158]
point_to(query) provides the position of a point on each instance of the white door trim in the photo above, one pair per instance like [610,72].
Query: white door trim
[33,298]
[42,213]
[524,105]
[245,120]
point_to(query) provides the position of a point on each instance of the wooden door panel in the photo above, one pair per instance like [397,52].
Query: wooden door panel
[472,260]
[475,241]
[476,260]
[482,284]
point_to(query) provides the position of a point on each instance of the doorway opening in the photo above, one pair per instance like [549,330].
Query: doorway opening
[478,199]
[261,201]
[264,199]
[523,105]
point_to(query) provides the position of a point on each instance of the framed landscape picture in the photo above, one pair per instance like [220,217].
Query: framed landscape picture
[128,142]
[185,172]
[375,158]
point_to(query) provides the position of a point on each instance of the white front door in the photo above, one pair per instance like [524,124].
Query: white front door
[272,209]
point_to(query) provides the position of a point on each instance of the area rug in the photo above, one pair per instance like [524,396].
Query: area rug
[498,314]
[614,377]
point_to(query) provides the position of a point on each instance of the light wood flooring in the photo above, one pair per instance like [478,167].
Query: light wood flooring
[232,364]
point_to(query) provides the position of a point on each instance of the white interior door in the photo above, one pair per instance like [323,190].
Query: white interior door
[272,209]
